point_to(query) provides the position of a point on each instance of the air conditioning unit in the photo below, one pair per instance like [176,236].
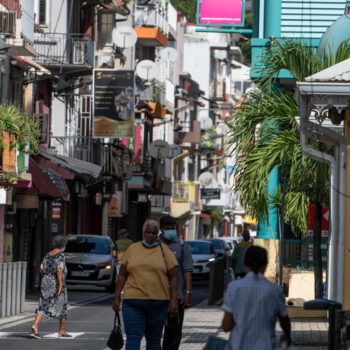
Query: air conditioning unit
[42,119]
[8,23]
[78,52]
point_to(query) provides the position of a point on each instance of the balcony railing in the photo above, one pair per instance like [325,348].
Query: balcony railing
[184,192]
[109,156]
[152,93]
[60,48]
[152,16]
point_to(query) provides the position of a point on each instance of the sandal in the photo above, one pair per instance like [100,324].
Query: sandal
[65,336]
[34,334]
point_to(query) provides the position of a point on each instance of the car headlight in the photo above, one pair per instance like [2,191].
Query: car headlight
[212,259]
[108,267]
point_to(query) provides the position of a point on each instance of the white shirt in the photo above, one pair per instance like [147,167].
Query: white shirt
[255,304]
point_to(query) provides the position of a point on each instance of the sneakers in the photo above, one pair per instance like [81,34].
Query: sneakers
[65,336]
[34,334]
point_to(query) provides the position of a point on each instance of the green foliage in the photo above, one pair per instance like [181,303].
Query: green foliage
[187,7]
[244,43]
[26,131]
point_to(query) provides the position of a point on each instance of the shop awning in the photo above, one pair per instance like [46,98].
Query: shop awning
[31,64]
[45,183]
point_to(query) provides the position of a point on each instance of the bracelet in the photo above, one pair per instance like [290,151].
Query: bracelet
[188,292]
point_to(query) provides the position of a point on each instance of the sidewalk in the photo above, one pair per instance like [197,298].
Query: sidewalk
[204,320]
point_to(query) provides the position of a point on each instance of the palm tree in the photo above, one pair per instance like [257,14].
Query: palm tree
[264,135]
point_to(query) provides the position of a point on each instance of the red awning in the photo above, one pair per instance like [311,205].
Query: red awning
[42,184]
[32,64]
[205,216]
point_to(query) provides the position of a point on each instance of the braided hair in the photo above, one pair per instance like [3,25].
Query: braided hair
[255,258]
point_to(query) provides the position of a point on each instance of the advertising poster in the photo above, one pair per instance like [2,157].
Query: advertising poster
[114,101]
[221,12]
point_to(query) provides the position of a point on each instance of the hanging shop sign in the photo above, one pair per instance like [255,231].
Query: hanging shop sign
[210,193]
[224,13]
[114,101]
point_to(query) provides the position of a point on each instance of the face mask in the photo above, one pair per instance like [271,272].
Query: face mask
[169,235]
[152,245]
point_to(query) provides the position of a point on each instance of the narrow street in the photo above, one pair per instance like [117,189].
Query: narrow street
[90,324]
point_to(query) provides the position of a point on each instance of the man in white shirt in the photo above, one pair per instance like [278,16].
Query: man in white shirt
[252,305]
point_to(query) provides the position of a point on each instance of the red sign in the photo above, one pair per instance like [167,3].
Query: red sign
[325,220]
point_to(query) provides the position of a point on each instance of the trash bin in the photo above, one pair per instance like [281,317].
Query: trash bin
[331,306]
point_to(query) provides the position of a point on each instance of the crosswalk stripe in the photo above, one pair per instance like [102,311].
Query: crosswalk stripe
[55,335]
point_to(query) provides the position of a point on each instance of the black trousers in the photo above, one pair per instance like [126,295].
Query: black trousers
[173,334]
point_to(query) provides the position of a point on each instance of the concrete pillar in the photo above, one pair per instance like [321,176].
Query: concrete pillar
[272,18]
[346,280]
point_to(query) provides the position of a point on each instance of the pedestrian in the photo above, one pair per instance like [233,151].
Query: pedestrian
[123,242]
[173,327]
[251,306]
[149,271]
[53,290]
[238,255]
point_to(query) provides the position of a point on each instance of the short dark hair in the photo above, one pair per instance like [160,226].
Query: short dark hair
[255,258]
[59,241]
[167,220]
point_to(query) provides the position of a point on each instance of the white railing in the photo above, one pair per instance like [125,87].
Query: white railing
[12,288]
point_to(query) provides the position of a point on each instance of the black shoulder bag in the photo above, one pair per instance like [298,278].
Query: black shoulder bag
[115,340]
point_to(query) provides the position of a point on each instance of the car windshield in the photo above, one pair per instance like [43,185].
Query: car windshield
[200,248]
[217,243]
[90,245]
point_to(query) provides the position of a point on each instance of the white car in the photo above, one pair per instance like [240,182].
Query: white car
[231,241]
[203,253]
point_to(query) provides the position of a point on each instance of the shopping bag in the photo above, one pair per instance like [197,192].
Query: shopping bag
[215,343]
[115,340]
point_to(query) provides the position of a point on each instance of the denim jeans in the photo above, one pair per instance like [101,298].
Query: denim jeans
[144,318]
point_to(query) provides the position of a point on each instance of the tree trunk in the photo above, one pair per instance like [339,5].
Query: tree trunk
[317,252]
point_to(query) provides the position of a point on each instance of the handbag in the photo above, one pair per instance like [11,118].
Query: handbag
[116,340]
[215,343]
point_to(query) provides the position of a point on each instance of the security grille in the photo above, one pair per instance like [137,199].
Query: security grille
[8,23]
[42,120]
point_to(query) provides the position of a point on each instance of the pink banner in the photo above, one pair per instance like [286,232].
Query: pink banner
[221,12]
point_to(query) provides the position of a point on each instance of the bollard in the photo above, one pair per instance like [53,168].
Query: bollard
[3,289]
[18,290]
[8,289]
[23,284]
[13,287]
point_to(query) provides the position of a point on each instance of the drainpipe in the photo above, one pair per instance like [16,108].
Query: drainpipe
[326,158]
[336,261]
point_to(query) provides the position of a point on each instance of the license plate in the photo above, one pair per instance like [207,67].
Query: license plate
[80,273]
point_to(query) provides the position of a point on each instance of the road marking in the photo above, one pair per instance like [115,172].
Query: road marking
[55,335]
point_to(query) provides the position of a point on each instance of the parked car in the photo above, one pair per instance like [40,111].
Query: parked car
[222,249]
[230,242]
[203,253]
[91,260]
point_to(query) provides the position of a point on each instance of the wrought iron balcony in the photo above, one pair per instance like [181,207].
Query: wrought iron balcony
[60,48]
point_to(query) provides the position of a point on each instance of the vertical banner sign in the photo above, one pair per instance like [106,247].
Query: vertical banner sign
[114,101]
[227,13]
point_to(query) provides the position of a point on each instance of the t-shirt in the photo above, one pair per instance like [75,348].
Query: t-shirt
[147,272]
[123,244]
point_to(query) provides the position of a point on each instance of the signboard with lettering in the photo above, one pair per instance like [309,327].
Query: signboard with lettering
[114,102]
[210,193]
[227,13]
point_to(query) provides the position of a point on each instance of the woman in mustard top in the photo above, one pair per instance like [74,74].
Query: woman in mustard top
[149,272]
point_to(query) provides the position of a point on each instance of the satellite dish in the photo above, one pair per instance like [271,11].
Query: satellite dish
[221,129]
[125,36]
[146,70]
[159,149]
[175,151]
[206,179]
[206,122]
[169,54]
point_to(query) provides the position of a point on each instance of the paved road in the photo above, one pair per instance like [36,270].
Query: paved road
[89,324]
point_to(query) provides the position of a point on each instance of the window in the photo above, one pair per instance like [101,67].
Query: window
[42,12]
[106,25]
